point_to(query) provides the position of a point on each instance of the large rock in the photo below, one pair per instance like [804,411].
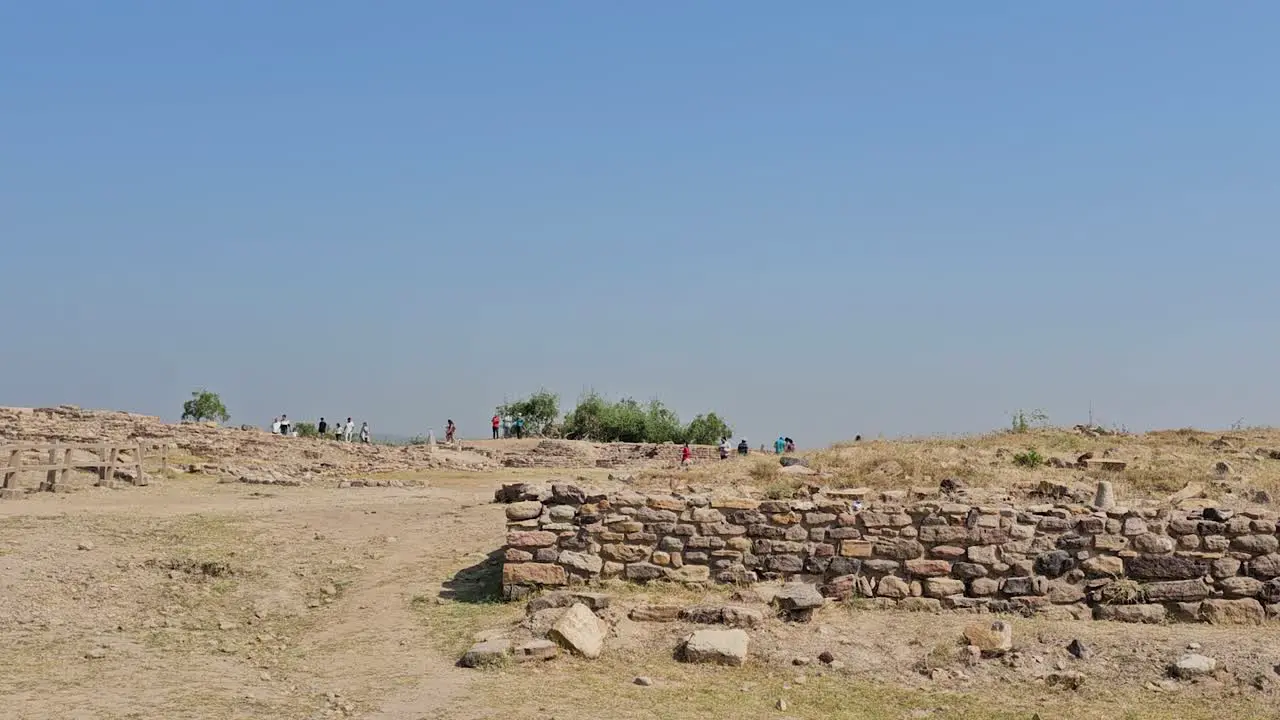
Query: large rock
[489,652]
[1240,586]
[1192,666]
[892,586]
[1103,566]
[582,562]
[1054,564]
[798,600]
[580,631]
[721,647]
[993,638]
[941,587]
[1245,611]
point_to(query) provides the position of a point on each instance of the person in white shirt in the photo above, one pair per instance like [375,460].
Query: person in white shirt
[348,430]
[364,433]
[275,426]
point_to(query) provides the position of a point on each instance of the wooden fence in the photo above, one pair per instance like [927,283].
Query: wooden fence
[60,461]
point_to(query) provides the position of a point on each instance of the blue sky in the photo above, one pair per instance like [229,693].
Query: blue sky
[818,219]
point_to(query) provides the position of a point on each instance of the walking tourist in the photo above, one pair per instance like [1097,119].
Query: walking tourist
[497,420]
[322,428]
[779,445]
[364,433]
[686,455]
[743,447]
[724,448]
[348,430]
[449,430]
[275,426]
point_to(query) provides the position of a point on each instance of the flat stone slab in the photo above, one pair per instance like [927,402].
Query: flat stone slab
[718,647]
[489,652]
[536,650]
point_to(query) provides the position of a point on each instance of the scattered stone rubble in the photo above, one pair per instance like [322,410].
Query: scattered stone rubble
[250,453]
[1067,559]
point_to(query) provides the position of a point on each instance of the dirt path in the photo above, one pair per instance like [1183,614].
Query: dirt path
[86,573]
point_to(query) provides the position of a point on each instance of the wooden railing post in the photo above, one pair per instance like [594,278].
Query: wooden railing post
[51,476]
[108,475]
[140,479]
[15,463]
[66,466]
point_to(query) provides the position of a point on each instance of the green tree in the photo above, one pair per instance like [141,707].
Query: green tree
[626,420]
[205,405]
[707,430]
[539,411]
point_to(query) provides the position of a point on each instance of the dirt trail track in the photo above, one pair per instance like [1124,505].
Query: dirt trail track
[74,567]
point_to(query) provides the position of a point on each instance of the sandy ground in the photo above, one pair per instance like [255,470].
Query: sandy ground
[194,599]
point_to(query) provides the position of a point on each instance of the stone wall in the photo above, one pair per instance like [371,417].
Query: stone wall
[1144,565]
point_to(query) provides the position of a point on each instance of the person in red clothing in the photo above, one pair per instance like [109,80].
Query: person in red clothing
[686,455]
[496,422]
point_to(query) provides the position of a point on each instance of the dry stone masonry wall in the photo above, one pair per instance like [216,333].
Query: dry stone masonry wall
[1147,565]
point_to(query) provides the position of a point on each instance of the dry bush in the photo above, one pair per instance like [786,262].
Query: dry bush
[765,472]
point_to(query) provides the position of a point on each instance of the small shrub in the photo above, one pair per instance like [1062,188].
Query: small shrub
[765,472]
[1029,459]
[305,429]
[782,489]
[1123,592]
[1022,421]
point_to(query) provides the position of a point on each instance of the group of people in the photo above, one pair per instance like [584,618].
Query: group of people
[507,426]
[341,431]
[780,446]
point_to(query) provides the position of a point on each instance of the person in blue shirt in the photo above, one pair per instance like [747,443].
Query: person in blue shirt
[779,445]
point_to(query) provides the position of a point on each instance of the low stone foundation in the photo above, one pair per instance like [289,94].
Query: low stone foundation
[1147,565]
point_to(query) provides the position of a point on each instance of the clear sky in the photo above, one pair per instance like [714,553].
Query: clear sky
[818,219]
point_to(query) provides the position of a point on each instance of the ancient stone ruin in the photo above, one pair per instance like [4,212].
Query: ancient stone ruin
[1147,565]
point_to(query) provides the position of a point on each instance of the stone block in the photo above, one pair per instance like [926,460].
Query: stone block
[1165,567]
[582,562]
[1245,611]
[720,647]
[928,568]
[1176,591]
[1150,614]
[941,587]
[534,574]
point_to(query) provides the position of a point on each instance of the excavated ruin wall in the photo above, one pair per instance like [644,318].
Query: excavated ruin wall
[1146,565]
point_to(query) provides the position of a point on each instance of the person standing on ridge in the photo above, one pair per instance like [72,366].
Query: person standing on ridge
[321,427]
[518,427]
[449,431]
[779,445]
[790,445]
[275,426]
[686,456]
[724,448]
[497,420]
[348,430]
[364,433]
[284,425]
[743,448]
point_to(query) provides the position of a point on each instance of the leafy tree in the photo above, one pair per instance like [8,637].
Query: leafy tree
[707,430]
[539,411]
[626,420]
[205,405]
